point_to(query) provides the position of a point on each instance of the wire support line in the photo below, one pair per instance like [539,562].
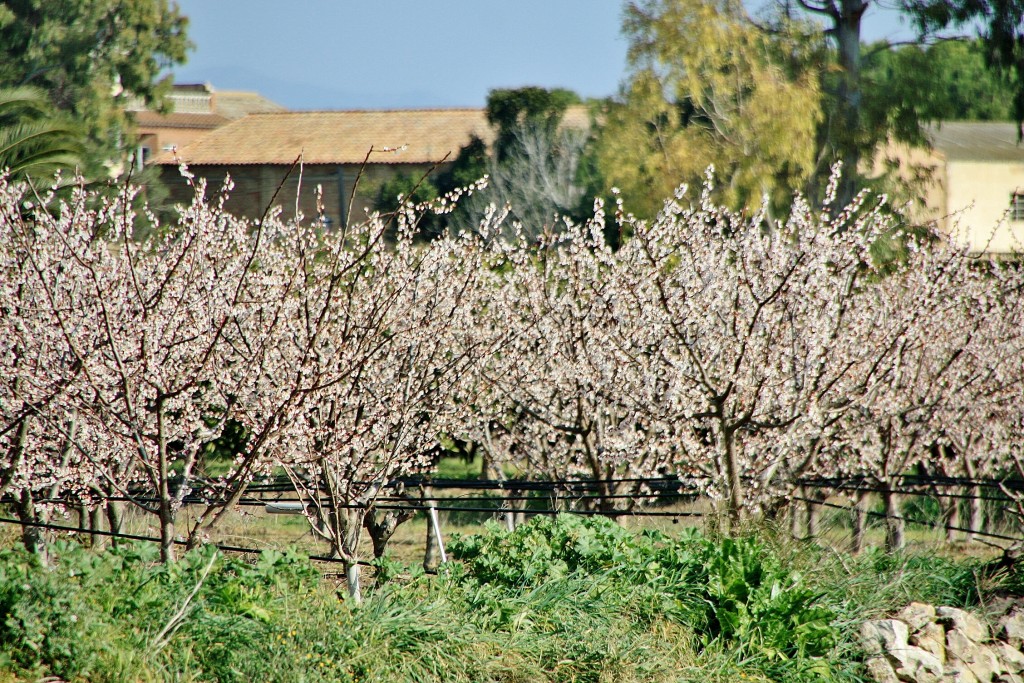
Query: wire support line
[916,480]
[490,510]
[519,484]
[458,499]
[908,492]
[910,520]
[683,478]
[585,490]
[154,539]
[290,495]
[424,507]
[198,500]
[434,480]
[657,485]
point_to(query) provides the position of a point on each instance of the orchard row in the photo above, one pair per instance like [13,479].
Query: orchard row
[746,351]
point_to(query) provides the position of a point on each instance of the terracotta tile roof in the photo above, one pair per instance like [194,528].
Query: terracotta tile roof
[151,119]
[234,104]
[337,137]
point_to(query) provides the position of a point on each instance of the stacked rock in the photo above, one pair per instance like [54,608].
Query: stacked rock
[927,644]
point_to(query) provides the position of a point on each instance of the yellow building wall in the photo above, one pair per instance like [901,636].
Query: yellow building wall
[977,200]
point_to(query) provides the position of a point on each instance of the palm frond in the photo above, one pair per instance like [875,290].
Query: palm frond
[34,142]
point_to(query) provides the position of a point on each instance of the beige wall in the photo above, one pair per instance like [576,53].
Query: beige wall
[978,197]
[254,188]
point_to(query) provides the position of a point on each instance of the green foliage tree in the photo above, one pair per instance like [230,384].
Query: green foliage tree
[509,110]
[90,57]
[910,86]
[705,64]
[945,81]
[468,167]
[538,180]
[706,86]
[35,142]
[1002,35]
[403,189]
[534,165]
[850,134]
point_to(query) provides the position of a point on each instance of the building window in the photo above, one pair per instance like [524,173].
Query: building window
[1017,206]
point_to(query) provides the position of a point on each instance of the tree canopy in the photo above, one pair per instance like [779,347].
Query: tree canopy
[535,166]
[847,138]
[509,109]
[1002,35]
[706,86]
[942,82]
[775,101]
[91,56]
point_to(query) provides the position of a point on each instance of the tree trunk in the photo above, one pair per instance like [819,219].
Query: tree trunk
[382,526]
[860,522]
[380,534]
[734,484]
[488,471]
[166,518]
[510,520]
[96,524]
[895,525]
[977,513]
[431,552]
[346,525]
[556,500]
[165,508]
[434,555]
[431,548]
[813,517]
[114,521]
[796,519]
[951,517]
[352,577]
[514,505]
[31,536]
[847,34]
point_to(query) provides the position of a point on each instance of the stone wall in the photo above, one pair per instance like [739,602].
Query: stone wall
[927,644]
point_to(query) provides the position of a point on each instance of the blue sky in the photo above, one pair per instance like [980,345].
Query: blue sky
[349,54]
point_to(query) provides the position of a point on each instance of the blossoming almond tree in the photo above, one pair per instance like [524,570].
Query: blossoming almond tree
[560,407]
[946,357]
[37,371]
[982,416]
[728,348]
[756,329]
[384,332]
[152,327]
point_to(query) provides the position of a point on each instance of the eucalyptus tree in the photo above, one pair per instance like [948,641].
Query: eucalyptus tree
[707,87]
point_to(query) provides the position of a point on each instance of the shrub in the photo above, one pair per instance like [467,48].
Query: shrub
[737,592]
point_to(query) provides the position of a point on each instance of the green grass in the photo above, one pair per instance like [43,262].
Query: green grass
[458,468]
[560,599]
